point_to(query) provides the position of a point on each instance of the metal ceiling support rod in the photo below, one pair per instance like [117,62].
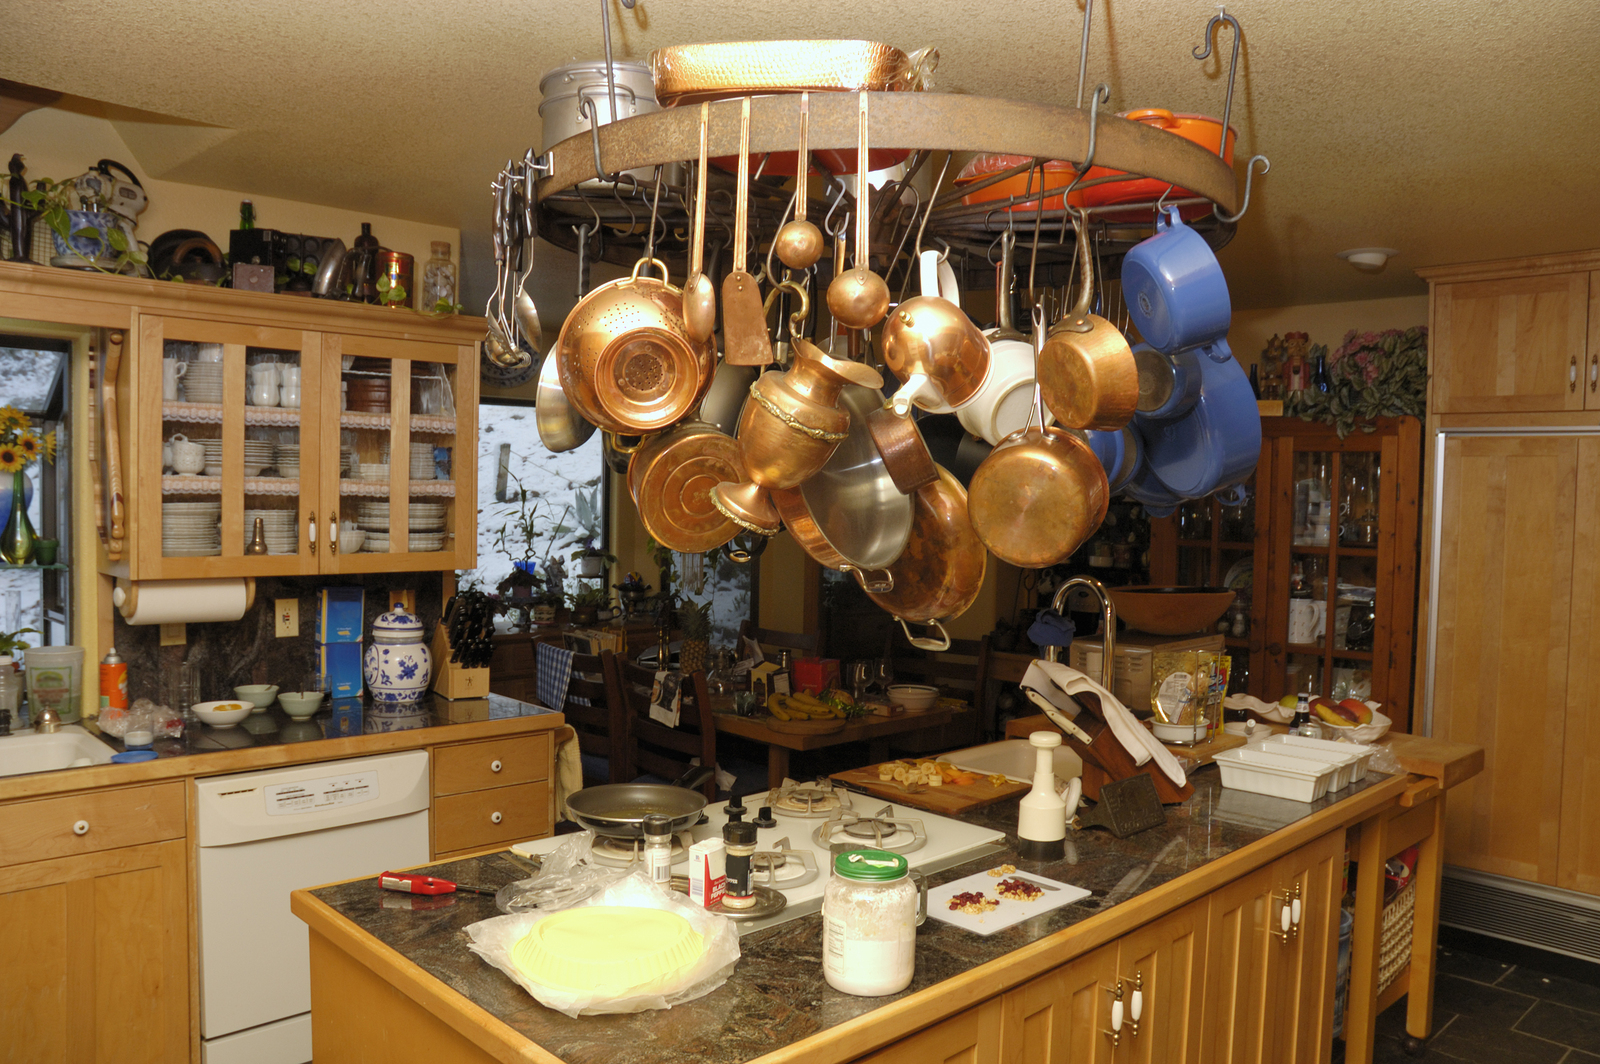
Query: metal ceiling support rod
[1249,179]
[611,75]
[1083,48]
[1204,53]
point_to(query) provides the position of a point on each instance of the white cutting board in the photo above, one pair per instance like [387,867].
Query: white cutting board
[1008,912]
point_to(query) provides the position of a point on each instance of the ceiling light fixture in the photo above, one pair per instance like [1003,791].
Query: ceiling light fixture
[1370,259]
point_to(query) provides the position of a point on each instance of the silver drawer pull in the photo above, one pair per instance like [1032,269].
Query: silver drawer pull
[494,818]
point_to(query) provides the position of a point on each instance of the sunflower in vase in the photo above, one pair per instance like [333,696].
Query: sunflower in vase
[21,445]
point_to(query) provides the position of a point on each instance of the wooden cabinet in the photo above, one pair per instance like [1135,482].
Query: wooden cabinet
[972,1037]
[1164,963]
[96,945]
[1063,1017]
[491,792]
[1512,635]
[1323,557]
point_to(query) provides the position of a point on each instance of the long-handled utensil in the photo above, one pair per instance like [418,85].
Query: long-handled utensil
[744,322]
[699,294]
[799,243]
[860,298]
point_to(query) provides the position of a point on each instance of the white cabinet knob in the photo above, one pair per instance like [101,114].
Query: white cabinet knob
[81,828]
[1136,1006]
[494,818]
[1116,1015]
[1294,913]
[1284,912]
[494,766]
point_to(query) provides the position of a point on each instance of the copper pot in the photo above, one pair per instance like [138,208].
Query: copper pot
[789,430]
[902,448]
[626,361]
[671,476]
[939,574]
[942,358]
[1086,369]
[1040,493]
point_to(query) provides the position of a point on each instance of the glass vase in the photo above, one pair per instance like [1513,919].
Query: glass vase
[17,542]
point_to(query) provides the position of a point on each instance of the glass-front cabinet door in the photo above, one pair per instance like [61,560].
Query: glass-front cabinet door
[397,483]
[224,412]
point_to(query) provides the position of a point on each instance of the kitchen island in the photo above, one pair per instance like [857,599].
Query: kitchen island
[1184,913]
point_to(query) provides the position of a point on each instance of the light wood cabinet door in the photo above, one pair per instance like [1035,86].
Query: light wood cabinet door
[1301,967]
[1504,566]
[1064,1017]
[1236,979]
[95,953]
[1164,962]
[1511,345]
[971,1037]
[1578,866]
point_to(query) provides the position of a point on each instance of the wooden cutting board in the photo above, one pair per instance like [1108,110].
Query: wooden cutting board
[949,800]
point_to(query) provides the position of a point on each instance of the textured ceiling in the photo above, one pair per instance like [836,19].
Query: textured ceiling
[1449,129]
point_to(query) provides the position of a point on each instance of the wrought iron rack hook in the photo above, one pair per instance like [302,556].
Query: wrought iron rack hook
[1249,180]
[1204,52]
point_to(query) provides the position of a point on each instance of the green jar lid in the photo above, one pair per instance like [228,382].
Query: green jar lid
[873,866]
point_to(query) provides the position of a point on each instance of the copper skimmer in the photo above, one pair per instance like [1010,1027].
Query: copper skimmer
[744,323]
[699,294]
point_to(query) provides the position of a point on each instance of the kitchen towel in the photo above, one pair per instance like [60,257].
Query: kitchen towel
[1056,682]
[554,666]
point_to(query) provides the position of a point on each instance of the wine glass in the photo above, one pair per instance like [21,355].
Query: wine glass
[885,673]
[861,676]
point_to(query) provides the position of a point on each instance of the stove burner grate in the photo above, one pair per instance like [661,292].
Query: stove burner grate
[882,831]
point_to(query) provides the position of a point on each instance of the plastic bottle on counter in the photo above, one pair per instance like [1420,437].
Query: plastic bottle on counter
[658,847]
[10,690]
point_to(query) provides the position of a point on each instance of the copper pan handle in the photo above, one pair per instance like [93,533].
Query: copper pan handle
[871,587]
[740,557]
[926,642]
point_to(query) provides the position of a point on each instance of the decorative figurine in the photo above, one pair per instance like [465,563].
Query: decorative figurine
[1271,369]
[18,218]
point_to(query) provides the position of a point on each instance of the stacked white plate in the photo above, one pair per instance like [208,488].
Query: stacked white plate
[422,461]
[190,529]
[373,516]
[278,526]
[202,382]
[378,542]
[372,471]
[257,456]
[287,458]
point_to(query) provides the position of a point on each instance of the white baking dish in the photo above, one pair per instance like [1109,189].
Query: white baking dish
[1343,763]
[1294,778]
[1361,753]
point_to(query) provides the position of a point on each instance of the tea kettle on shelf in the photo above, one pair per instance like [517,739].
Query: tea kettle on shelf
[100,190]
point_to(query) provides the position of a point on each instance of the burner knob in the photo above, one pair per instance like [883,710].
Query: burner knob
[764,818]
[736,809]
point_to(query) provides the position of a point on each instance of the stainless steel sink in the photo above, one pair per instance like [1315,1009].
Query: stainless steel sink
[70,747]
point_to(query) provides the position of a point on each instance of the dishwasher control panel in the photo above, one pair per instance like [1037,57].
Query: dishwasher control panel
[330,792]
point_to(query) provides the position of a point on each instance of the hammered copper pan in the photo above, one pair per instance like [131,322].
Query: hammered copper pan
[1086,370]
[904,452]
[671,477]
[940,573]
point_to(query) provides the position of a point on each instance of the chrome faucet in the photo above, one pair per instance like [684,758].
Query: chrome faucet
[1108,621]
[46,720]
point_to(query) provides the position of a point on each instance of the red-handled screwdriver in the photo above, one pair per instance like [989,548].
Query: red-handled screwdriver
[411,883]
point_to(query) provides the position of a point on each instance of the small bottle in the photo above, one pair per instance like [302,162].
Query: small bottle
[438,279]
[783,680]
[247,214]
[1319,376]
[1302,717]
[658,848]
[739,892]
[114,680]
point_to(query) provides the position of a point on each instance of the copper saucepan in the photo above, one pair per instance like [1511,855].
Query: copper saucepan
[1086,371]
[1040,493]
[905,453]
[626,360]
[940,573]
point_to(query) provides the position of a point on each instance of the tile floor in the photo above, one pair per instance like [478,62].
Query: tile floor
[1497,1003]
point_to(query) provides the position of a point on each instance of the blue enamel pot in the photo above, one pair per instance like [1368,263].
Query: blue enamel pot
[1175,291]
[1168,384]
[1217,443]
[1146,488]
[1119,453]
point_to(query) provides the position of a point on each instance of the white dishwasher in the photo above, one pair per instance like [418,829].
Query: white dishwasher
[262,835]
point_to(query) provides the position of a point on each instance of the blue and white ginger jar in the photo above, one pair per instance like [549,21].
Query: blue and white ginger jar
[397,666]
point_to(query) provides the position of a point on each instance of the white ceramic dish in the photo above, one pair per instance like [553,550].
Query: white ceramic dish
[1179,733]
[1342,764]
[913,695]
[1359,753]
[300,704]
[1294,778]
[259,695]
[223,714]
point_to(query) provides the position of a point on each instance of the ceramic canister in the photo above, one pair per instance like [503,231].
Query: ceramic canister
[397,666]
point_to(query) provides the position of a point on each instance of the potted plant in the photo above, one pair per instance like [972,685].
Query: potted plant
[694,618]
[12,643]
[587,602]
[547,601]
[592,561]
[82,238]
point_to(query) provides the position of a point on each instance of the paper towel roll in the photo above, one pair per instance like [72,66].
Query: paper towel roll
[186,601]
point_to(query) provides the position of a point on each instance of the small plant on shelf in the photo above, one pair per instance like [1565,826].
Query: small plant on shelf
[12,643]
[592,561]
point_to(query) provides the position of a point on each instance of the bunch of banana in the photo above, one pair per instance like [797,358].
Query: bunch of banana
[801,707]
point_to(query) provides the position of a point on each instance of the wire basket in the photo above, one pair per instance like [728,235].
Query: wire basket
[1394,953]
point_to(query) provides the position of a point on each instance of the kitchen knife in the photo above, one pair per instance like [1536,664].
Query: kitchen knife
[411,883]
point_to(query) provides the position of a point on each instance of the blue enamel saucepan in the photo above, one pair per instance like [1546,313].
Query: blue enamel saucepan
[1176,294]
[1217,442]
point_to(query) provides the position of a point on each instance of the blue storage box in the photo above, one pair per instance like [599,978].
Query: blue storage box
[339,614]
[340,665]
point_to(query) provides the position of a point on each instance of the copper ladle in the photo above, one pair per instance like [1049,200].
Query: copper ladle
[744,323]
[859,298]
[798,244]
[699,294]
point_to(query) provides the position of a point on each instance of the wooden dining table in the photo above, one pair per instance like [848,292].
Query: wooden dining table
[875,731]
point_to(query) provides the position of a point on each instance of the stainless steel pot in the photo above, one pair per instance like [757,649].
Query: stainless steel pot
[565,89]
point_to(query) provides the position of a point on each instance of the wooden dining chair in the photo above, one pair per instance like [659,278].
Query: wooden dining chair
[961,671]
[651,750]
[801,644]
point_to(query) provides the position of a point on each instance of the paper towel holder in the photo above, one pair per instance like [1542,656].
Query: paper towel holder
[125,597]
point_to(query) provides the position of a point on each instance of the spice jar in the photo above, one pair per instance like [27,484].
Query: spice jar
[870,914]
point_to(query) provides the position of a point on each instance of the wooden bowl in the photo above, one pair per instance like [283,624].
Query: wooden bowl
[1171,610]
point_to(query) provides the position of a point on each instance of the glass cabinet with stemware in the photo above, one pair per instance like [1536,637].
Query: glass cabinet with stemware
[308,438]
[1322,555]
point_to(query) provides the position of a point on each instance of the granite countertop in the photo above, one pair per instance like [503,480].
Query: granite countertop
[777,994]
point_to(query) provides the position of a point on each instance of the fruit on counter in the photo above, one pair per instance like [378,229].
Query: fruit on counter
[801,707]
[1331,712]
[1362,711]
[1289,702]
[926,772]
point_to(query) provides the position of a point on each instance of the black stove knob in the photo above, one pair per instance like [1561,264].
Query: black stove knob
[764,818]
[735,809]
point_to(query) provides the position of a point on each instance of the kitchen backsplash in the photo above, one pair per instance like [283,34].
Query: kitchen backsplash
[231,654]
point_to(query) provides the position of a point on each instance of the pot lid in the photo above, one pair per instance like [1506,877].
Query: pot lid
[872,866]
[397,625]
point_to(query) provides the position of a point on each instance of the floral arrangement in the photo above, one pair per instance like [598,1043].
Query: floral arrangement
[1371,375]
[20,443]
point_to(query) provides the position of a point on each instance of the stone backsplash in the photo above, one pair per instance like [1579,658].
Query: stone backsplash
[230,654]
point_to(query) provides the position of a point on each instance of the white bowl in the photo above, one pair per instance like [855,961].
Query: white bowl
[913,695]
[300,704]
[224,714]
[259,695]
[350,539]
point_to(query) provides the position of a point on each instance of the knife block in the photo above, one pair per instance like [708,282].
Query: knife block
[450,679]
[1105,760]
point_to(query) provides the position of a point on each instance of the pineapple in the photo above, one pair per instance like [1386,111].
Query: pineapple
[695,620]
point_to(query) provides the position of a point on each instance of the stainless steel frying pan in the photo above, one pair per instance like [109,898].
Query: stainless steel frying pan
[619,809]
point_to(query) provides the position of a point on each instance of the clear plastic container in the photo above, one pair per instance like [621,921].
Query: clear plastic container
[55,678]
[870,914]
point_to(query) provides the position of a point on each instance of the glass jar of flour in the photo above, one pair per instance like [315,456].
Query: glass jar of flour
[871,910]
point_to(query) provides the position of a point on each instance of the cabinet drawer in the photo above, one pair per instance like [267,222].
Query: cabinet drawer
[491,763]
[130,816]
[469,821]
